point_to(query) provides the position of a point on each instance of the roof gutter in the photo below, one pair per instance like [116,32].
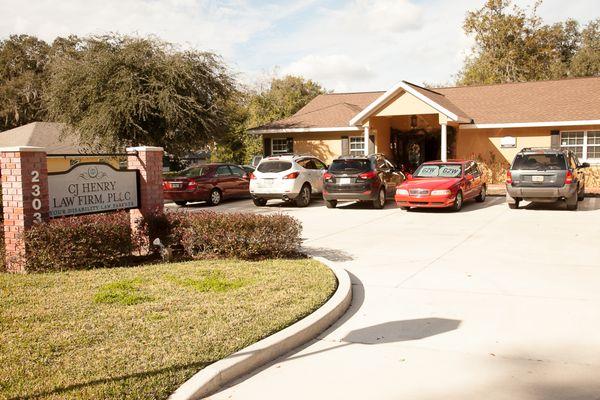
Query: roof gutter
[306,130]
[531,124]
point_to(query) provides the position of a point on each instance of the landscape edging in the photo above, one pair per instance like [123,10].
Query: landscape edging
[246,360]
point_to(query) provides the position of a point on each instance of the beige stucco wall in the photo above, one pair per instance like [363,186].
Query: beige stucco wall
[484,145]
[323,145]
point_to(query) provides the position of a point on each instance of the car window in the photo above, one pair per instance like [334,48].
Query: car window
[189,172]
[235,170]
[476,170]
[310,164]
[438,171]
[350,166]
[222,170]
[319,164]
[274,166]
[539,162]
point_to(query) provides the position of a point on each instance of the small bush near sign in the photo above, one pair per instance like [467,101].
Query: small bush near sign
[227,235]
[89,241]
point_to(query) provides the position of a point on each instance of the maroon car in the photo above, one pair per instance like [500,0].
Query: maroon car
[208,182]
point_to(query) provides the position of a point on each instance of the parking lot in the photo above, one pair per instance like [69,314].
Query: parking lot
[487,303]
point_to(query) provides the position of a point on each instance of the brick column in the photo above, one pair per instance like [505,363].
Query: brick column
[24,199]
[149,162]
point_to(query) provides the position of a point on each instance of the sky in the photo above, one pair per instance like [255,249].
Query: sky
[346,45]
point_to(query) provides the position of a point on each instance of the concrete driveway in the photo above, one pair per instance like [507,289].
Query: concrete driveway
[488,303]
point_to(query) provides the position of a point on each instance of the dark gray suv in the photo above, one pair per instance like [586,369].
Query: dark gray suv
[545,176]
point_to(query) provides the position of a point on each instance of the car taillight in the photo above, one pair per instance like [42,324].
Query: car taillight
[327,176]
[293,175]
[368,175]
[569,178]
[508,177]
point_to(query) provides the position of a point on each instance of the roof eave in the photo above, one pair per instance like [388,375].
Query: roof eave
[305,130]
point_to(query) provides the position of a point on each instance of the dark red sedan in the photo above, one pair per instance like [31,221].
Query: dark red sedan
[440,184]
[207,182]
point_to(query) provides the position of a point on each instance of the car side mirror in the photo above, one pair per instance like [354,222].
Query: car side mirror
[409,177]
[584,165]
[469,177]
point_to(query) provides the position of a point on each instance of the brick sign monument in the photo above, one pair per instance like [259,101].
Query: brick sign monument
[30,195]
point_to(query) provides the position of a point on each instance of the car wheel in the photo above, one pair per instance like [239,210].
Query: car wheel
[482,195]
[331,203]
[513,206]
[405,208]
[572,202]
[259,202]
[379,201]
[181,203]
[215,197]
[458,202]
[303,198]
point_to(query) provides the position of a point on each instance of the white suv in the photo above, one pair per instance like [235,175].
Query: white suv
[289,178]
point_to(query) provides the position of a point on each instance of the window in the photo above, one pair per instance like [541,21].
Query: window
[223,170]
[357,145]
[438,170]
[319,164]
[279,146]
[350,166]
[585,144]
[237,171]
[539,162]
[274,166]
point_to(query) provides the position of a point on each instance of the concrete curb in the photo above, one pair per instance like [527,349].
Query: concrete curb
[218,374]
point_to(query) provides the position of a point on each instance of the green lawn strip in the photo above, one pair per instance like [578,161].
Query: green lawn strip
[140,332]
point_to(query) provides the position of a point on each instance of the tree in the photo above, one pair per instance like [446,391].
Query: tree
[23,61]
[586,61]
[514,46]
[281,98]
[117,91]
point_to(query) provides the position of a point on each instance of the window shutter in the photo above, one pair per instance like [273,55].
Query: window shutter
[345,146]
[266,147]
[371,144]
[290,145]
[555,139]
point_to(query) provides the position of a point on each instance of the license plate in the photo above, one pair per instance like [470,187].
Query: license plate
[175,185]
[537,178]
[345,181]
[265,183]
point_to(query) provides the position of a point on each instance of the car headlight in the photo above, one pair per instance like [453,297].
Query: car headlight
[402,192]
[444,192]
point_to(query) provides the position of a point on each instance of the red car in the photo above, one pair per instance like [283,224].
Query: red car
[442,184]
[208,182]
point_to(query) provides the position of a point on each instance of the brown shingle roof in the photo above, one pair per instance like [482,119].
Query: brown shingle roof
[576,99]
[326,110]
[544,101]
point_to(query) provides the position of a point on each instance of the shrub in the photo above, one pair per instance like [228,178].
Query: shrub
[88,241]
[227,235]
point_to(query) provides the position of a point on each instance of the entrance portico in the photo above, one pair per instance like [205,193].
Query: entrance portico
[411,124]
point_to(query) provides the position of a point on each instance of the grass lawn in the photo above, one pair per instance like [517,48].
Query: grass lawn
[140,332]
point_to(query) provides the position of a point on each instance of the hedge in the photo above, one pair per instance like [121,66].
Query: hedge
[82,242]
[208,234]
[106,240]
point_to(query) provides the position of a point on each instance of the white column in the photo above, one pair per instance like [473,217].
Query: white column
[444,147]
[366,133]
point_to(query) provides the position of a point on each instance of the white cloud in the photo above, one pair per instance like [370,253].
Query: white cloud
[350,45]
[334,71]
[211,25]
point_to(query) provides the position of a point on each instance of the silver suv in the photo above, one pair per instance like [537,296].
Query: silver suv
[545,176]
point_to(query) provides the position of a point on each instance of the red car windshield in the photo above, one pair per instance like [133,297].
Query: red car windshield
[438,171]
